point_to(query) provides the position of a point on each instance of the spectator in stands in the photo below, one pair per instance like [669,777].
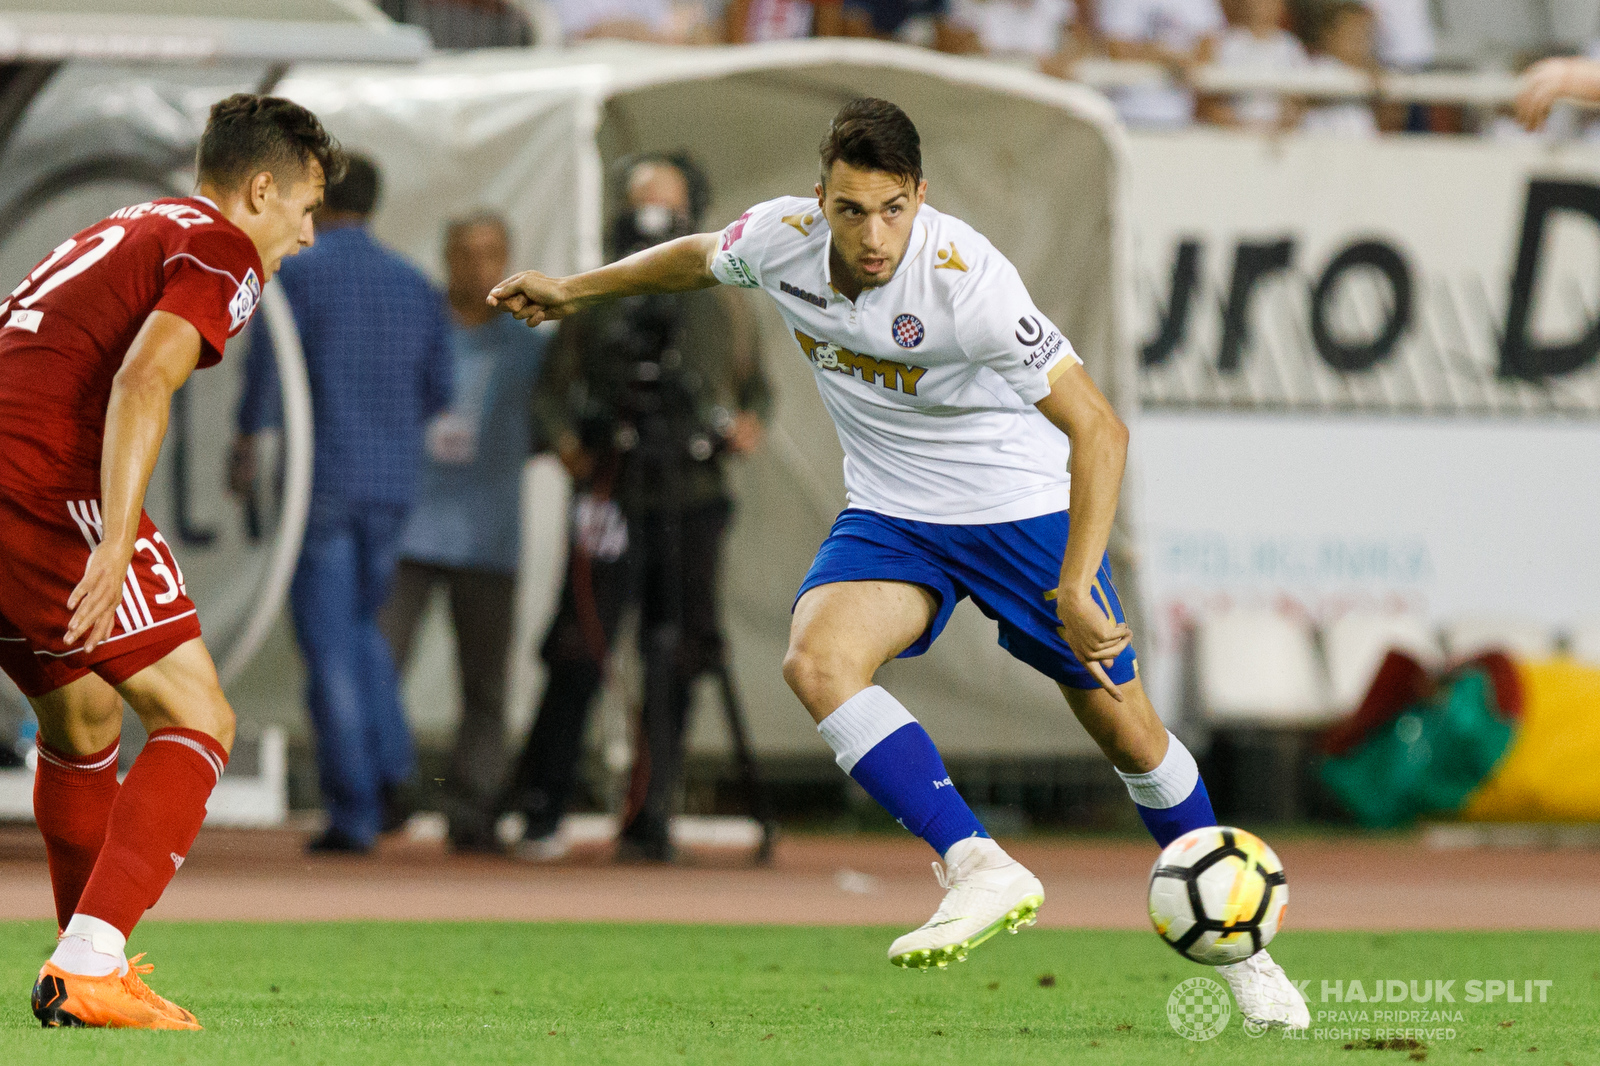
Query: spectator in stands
[1405,34]
[377,349]
[463,24]
[1340,35]
[1040,32]
[463,533]
[781,20]
[1257,42]
[655,21]
[1179,35]
[924,22]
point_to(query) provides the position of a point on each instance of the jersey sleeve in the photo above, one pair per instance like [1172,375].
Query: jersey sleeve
[739,258]
[211,278]
[1000,328]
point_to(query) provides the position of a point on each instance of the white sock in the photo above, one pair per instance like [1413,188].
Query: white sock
[861,723]
[976,853]
[1168,784]
[91,947]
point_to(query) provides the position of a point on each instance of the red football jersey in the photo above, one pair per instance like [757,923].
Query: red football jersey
[66,329]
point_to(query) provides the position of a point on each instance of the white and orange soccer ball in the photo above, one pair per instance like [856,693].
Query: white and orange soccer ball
[1217,895]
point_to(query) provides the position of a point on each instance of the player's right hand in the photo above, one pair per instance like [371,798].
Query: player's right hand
[1094,636]
[532,297]
[95,601]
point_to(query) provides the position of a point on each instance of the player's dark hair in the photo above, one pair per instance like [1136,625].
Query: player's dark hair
[357,192]
[872,134]
[247,134]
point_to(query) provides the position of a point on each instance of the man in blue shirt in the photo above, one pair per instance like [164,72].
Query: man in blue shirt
[377,345]
[464,531]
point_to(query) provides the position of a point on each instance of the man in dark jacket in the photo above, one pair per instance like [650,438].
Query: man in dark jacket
[641,398]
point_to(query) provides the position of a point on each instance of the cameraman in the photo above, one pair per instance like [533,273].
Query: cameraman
[642,397]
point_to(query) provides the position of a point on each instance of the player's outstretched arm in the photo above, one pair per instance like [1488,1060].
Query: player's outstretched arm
[675,266]
[160,359]
[1099,453]
[1560,78]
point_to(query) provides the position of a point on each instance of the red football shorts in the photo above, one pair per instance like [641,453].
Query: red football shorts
[44,549]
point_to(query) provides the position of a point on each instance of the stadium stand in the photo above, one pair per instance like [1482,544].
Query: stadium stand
[1466,637]
[1259,665]
[1356,642]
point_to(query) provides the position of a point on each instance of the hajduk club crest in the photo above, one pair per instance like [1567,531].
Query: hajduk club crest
[908,331]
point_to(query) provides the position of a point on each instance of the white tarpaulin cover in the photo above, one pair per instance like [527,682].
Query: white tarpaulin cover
[1032,162]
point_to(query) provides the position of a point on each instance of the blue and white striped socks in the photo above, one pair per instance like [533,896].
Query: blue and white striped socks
[877,742]
[1171,798]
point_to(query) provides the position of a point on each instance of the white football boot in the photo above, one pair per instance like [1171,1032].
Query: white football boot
[1267,998]
[988,891]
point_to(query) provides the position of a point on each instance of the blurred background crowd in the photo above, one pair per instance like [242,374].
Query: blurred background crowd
[1176,40]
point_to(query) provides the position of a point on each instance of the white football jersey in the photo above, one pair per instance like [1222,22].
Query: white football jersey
[930,379]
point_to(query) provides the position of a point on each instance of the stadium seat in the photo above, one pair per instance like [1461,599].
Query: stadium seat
[1584,640]
[1258,665]
[1517,637]
[1356,642]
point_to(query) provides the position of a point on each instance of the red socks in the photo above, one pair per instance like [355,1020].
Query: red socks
[72,798]
[153,822]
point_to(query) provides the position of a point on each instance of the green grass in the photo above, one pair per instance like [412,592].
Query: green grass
[503,993]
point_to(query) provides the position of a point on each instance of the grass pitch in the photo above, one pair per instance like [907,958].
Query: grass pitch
[498,993]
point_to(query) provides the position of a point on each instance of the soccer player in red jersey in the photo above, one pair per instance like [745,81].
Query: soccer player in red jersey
[93,608]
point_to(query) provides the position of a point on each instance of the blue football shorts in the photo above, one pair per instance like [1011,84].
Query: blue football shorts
[1007,568]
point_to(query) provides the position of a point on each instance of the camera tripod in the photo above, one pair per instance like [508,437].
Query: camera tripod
[659,440]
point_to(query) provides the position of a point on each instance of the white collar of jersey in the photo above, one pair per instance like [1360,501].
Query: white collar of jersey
[207,201]
[919,241]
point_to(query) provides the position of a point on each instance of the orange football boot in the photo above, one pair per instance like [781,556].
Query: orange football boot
[64,1000]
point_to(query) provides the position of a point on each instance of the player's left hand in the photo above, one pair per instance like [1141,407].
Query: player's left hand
[94,602]
[1094,636]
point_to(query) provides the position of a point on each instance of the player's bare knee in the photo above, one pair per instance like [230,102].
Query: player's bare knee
[200,707]
[99,714]
[224,724]
[208,711]
[814,675]
[800,670]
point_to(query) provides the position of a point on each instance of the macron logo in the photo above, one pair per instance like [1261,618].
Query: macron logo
[946,783]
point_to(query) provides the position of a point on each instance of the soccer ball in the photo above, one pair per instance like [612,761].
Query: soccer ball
[1217,895]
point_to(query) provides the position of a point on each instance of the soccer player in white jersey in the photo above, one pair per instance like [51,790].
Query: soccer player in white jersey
[970,429]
